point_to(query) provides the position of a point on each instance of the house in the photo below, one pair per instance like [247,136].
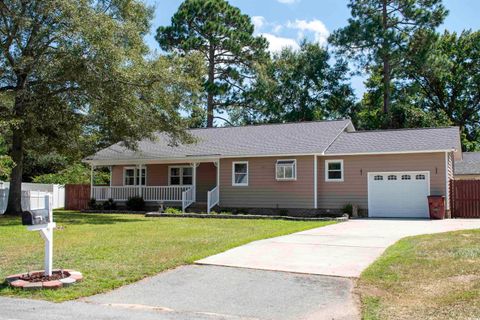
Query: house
[468,167]
[305,168]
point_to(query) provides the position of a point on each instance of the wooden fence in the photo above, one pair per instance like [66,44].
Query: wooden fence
[77,196]
[465,198]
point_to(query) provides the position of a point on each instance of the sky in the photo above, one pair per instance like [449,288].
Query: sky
[286,22]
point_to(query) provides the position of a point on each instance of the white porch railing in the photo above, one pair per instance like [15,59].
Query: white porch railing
[188,197]
[149,193]
[213,196]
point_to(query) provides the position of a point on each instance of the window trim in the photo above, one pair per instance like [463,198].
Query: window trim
[245,184]
[181,175]
[134,168]
[294,170]
[327,162]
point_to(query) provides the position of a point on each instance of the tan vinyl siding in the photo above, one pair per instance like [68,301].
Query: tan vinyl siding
[354,188]
[157,175]
[263,190]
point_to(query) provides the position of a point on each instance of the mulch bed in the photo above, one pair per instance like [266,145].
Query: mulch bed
[41,277]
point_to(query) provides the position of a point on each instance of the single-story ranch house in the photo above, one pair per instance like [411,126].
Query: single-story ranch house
[303,168]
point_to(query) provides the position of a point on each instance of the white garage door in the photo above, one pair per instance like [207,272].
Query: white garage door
[398,194]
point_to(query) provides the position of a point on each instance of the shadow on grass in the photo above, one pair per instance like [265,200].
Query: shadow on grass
[77,218]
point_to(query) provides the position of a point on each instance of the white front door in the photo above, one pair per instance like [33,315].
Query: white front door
[398,194]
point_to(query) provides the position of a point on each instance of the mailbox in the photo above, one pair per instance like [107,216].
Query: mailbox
[36,217]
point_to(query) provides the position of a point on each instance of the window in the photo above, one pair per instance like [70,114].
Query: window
[286,169]
[131,176]
[179,176]
[378,178]
[420,177]
[406,177]
[392,177]
[240,173]
[334,170]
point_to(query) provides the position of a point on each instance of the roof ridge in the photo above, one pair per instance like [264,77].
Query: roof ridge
[402,129]
[271,124]
[337,136]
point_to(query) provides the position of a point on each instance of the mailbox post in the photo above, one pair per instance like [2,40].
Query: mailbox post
[42,221]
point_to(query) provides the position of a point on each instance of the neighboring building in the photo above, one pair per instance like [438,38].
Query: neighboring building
[468,167]
[303,167]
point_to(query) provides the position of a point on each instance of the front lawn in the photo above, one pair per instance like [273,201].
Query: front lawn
[114,250]
[425,277]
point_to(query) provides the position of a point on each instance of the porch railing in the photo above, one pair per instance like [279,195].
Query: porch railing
[188,197]
[213,197]
[149,193]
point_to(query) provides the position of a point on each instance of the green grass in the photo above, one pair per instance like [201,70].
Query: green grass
[114,250]
[425,277]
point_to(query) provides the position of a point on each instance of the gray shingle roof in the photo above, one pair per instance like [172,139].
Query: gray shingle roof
[272,139]
[470,164]
[401,140]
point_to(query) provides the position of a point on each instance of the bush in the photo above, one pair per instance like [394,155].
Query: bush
[92,204]
[136,204]
[348,209]
[109,205]
[173,211]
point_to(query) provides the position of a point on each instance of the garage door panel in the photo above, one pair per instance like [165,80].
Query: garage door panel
[391,196]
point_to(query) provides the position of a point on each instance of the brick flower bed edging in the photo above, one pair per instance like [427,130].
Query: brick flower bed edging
[242,216]
[15,280]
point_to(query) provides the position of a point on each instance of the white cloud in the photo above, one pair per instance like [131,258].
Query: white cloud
[276,43]
[315,26]
[277,28]
[258,22]
[288,1]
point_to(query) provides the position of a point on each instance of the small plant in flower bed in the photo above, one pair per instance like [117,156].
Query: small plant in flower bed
[136,204]
[173,211]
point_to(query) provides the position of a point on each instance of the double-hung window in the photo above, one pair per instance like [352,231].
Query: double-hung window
[334,170]
[179,176]
[133,176]
[286,170]
[240,173]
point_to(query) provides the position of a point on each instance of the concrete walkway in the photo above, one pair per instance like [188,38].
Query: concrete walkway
[343,250]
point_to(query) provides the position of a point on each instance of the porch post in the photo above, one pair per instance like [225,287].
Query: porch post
[91,181]
[110,184]
[194,173]
[139,180]
[315,183]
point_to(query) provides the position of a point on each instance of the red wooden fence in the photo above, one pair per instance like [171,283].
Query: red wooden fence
[465,198]
[77,196]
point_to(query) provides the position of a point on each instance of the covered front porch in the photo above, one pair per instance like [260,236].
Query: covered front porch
[176,184]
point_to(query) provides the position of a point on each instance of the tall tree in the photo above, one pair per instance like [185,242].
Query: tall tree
[224,37]
[60,77]
[445,69]
[378,33]
[299,85]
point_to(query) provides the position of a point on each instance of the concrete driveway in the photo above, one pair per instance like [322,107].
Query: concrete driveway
[343,250]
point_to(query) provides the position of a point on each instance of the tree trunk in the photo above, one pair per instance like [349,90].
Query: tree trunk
[386,60]
[14,206]
[386,84]
[211,84]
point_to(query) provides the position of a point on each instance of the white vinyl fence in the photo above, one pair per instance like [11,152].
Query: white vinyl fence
[56,190]
[31,200]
